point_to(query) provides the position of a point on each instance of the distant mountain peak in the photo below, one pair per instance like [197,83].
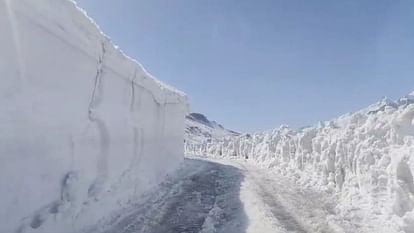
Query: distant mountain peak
[200,128]
[198,117]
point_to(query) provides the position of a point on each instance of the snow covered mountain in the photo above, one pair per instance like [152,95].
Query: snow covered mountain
[198,128]
[366,158]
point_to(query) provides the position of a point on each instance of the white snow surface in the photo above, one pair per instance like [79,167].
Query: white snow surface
[199,130]
[365,159]
[81,123]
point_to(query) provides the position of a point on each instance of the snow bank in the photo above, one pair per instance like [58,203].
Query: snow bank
[80,121]
[366,158]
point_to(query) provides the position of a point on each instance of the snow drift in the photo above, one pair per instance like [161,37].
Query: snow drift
[79,120]
[366,158]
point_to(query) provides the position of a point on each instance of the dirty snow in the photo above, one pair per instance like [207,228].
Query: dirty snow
[220,196]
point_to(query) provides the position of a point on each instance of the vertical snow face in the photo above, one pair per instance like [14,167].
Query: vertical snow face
[366,157]
[79,119]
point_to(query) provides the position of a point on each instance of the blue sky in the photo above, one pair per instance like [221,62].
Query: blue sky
[253,65]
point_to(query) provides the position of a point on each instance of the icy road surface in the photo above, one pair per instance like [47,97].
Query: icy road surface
[227,197]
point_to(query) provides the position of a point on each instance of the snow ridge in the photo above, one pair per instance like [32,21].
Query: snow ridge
[366,158]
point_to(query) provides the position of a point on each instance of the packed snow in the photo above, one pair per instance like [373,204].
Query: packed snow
[219,196]
[84,128]
[364,159]
[91,142]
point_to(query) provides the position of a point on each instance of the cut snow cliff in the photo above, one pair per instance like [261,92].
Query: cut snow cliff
[80,121]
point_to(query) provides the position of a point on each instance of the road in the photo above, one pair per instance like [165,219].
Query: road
[227,197]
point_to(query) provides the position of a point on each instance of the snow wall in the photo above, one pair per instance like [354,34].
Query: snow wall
[366,158]
[79,120]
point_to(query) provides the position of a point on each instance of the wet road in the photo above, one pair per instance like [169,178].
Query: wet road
[211,197]
[207,200]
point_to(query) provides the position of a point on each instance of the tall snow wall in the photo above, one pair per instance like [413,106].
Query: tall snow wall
[365,158]
[78,119]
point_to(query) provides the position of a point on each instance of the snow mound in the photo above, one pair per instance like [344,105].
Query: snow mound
[366,158]
[81,123]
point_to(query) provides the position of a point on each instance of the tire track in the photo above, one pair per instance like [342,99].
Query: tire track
[206,199]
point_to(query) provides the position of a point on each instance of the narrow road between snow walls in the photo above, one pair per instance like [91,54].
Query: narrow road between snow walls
[226,196]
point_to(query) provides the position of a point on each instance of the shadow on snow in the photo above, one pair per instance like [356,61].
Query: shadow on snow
[207,200]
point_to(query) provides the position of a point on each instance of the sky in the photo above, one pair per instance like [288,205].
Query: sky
[254,65]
